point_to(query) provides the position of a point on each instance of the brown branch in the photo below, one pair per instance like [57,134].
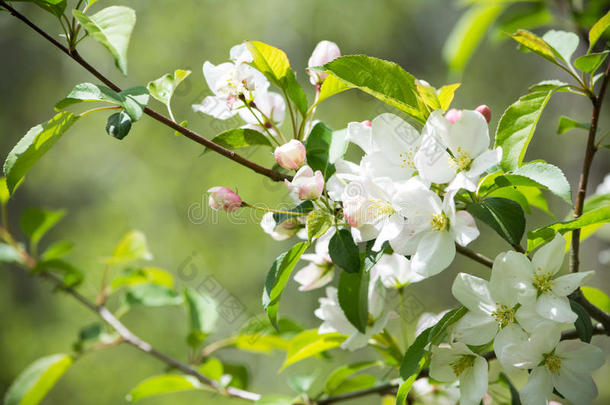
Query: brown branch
[272,174]
[477,257]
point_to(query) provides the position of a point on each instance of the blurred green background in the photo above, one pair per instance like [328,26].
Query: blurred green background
[153,179]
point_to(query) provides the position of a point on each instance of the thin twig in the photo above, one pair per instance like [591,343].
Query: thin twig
[477,257]
[272,174]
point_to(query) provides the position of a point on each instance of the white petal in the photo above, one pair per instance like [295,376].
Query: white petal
[361,135]
[216,106]
[509,335]
[440,368]
[485,161]
[462,180]
[565,285]
[555,308]
[433,162]
[406,242]
[390,229]
[579,388]
[473,382]
[378,164]
[473,293]
[538,389]
[435,252]
[511,279]
[550,256]
[465,228]
[544,339]
[530,319]
[469,134]
[579,356]
[475,328]
[213,74]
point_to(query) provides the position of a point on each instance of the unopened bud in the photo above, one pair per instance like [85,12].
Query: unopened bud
[323,53]
[484,111]
[453,115]
[291,155]
[222,198]
[307,184]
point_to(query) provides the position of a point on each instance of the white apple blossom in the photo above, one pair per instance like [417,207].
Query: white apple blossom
[457,362]
[456,152]
[334,319]
[432,229]
[395,271]
[324,52]
[291,155]
[268,108]
[563,365]
[319,271]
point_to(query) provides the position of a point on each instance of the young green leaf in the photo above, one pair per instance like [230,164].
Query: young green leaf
[55,7]
[446,93]
[318,223]
[112,28]
[118,125]
[163,88]
[591,62]
[57,250]
[583,324]
[134,101]
[384,80]
[4,193]
[405,388]
[517,126]
[566,123]
[151,295]
[132,247]
[31,386]
[563,44]
[330,86]
[134,276]
[203,315]
[85,92]
[278,277]
[163,384]
[503,216]
[239,138]
[336,379]
[535,44]
[33,146]
[468,33]
[310,343]
[597,297]
[598,30]
[344,252]
[353,297]
[71,275]
[36,222]
[540,174]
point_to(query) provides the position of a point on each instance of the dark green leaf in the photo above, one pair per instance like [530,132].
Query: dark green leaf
[410,364]
[583,324]
[370,257]
[318,149]
[295,92]
[203,315]
[353,298]
[240,377]
[33,146]
[71,275]
[134,101]
[439,330]
[112,28]
[31,386]
[344,252]
[304,207]
[278,276]
[504,216]
[118,125]
[514,393]
[239,138]
[36,222]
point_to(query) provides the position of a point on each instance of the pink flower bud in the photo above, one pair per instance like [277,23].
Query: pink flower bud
[323,53]
[484,111]
[222,198]
[290,155]
[368,123]
[453,115]
[307,184]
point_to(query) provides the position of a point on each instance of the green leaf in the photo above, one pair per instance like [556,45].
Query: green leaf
[567,123]
[384,80]
[55,7]
[370,257]
[304,207]
[261,343]
[503,216]
[163,88]
[446,93]
[163,384]
[212,368]
[302,383]
[151,295]
[134,101]
[8,254]
[535,44]
[236,376]
[468,33]
[31,386]
[344,252]
[112,28]
[517,126]
[203,315]
[597,297]
[354,298]
[295,92]
[33,146]
[239,138]
[331,86]
[542,235]
[318,223]
[324,147]
[512,193]
[275,400]
[439,330]
[71,275]
[410,364]
[356,383]
[132,247]
[118,125]
[543,175]
[590,63]
[514,393]
[57,250]
[598,30]
[563,44]
[583,324]
[310,343]
[278,276]
[429,96]
[404,389]
[341,374]
[134,276]
[4,193]
[36,222]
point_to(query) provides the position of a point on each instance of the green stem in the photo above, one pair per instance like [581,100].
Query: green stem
[292,119]
[296,214]
[113,107]
[261,124]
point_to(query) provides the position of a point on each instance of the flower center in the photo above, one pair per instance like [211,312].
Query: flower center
[461,160]
[552,363]
[462,364]
[504,315]
[543,281]
[379,208]
[439,222]
[407,159]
